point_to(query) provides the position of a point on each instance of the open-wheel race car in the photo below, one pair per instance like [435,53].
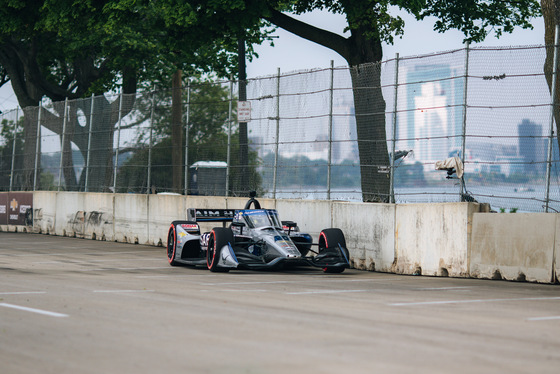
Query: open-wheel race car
[254,239]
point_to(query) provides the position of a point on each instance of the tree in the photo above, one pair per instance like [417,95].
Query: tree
[70,49]
[370,23]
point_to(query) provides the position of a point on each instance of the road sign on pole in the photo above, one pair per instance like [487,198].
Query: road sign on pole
[243,111]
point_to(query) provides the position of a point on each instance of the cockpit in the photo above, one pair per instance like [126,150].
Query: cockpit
[256,218]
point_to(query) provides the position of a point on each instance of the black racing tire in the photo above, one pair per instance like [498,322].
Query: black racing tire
[172,244]
[219,236]
[333,269]
[329,239]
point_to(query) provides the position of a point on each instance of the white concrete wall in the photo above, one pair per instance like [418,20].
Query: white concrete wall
[430,239]
[516,246]
[370,233]
[99,216]
[131,217]
[557,251]
[311,216]
[44,211]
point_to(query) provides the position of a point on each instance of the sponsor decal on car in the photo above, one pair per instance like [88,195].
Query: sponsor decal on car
[204,239]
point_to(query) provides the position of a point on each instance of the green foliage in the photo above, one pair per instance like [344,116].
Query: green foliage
[377,19]
[477,18]
[512,210]
[68,48]
[300,171]
[407,175]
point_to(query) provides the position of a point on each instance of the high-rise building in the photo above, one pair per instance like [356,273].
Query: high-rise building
[431,123]
[532,147]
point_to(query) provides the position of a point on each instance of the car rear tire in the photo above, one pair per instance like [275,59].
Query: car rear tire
[172,244]
[219,237]
[331,240]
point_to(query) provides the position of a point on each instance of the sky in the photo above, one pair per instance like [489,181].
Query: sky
[294,53]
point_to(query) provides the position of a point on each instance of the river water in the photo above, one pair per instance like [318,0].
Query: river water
[525,198]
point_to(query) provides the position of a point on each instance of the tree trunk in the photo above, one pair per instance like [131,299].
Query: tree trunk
[243,184]
[370,126]
[551,15]
[177,132]
[69,173]
[29,149]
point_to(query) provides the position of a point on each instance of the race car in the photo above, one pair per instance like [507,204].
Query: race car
[254,239]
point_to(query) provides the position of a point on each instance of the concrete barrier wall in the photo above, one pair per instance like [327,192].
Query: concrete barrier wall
[44,211]
[370,233]
[557,251]
[311,218]
[518,246]
[449,239]
[432,239]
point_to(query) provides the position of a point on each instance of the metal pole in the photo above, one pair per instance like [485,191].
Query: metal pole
[89,143]
[277,135]
[150,144]
[37,147]
[14,150]
[392,175]
[229,133]
[118,143]
[187,119]
[464,130]
[552,110]
[64,121]
[329,163]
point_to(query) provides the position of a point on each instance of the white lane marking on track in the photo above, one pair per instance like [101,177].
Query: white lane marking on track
[324,292]
[543,318]
[22,293]
[224,290]
[121,291]
[33,310]
[474,301]
[443,288]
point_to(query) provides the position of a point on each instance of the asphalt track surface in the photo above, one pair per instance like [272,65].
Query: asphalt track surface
[80,306]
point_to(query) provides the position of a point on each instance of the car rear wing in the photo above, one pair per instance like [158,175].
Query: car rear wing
[210,215]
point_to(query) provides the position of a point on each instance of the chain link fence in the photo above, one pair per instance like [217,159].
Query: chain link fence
[315,134]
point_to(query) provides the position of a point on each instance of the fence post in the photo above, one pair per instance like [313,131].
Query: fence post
[64,121]
[37,146]
[230,119]
[277,135]
[329,162]
[149,181]
[14,151]
[393,145]
[552,110]
[187,120]
[89,143]
[464,130]
[118,144]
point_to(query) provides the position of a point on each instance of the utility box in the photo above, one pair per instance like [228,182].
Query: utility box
[208,178]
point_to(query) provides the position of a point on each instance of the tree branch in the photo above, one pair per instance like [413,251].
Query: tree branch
[314,34]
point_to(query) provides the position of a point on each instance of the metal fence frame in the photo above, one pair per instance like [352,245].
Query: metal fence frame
[276,118]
